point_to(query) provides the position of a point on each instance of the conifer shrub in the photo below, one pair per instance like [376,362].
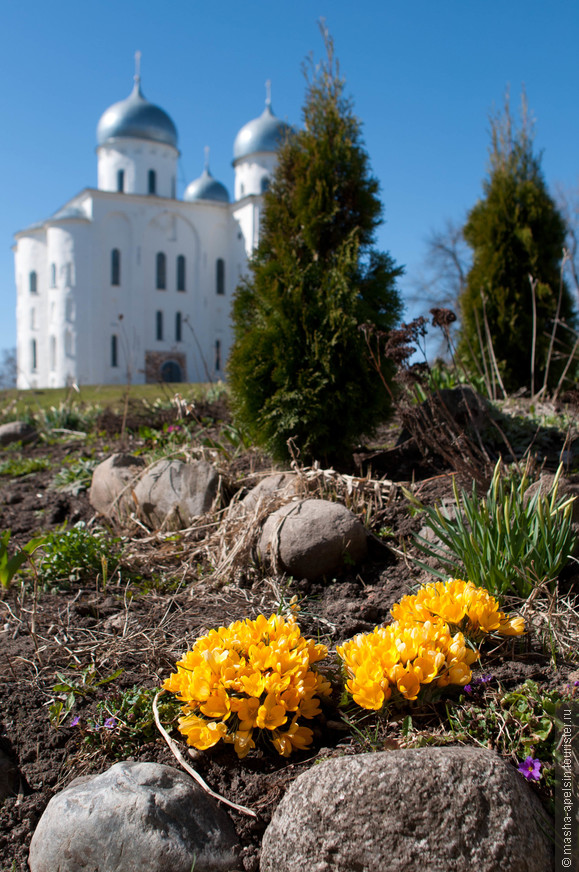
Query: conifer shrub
[517,236]
[299,367]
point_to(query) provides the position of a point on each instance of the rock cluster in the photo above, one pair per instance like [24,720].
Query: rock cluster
[306,538]
[450,809]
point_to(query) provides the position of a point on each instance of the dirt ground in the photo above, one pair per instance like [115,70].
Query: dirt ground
[134,630]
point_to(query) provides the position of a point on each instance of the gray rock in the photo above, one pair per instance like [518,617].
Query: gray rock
[16,431]
[136,817]
[416,810]
[113,482]
[311,538]
[278,484]
[171,493]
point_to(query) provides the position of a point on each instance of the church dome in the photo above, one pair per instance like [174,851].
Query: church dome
[265,133]
[206,188]
[136,118]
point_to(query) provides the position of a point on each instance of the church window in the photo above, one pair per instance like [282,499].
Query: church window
[33,282]
[68,343]
[159,326]
[242,189]
[218,354]
[264,184]
[52,275]
[173,188]
[120,181]
[52,353]
[68,275]
[115,267]
[181,272]
[220,275]
[114,350]
[152,182]
[161,271]
[33,355]
[178,327]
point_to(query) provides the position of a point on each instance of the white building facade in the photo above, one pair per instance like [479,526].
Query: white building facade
[126,283]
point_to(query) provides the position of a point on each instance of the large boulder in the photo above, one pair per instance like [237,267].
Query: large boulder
[312,538]
[416,810]
[171,493]
[132,818]
[16,431]
[113,482]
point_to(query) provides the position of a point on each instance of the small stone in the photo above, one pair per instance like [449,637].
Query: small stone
[312,538]
[16,431]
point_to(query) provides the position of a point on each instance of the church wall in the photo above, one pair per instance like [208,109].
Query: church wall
[31,309]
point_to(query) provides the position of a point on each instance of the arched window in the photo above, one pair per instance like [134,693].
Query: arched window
[161,271]
[181,272]
[120,181]
[220,275]
[115,267]
[159,326]
[68,275]
[173,188]
[218,354]
[178,327]
[152,182]
[68,343]
[52,275]
[33,356]
[114,350]
[33,282]
[264,184]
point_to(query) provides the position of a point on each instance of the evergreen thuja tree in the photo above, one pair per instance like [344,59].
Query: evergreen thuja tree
[298,367]
[517,237]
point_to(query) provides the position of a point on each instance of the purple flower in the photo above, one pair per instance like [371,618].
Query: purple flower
[482,679]
[530,769]
[110,723]
[468,688]
[75,722]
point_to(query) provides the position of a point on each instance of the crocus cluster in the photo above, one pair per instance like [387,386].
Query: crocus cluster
[462,605]
[429,644]
[248,679]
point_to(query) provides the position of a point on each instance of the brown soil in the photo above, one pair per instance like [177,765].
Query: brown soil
[142,625]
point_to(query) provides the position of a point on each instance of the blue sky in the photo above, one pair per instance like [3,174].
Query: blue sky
[423,75]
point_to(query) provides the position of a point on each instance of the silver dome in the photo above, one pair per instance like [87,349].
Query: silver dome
[206,188]
[135,117]
[265,133]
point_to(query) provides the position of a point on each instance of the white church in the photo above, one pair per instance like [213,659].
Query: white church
[128,283]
